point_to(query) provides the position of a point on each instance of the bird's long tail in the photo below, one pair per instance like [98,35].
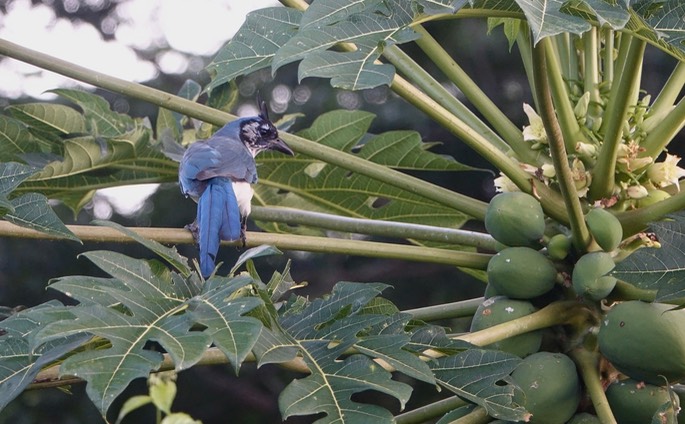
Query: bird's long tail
[218,218]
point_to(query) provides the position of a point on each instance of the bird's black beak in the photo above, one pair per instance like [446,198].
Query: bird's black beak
[279,145]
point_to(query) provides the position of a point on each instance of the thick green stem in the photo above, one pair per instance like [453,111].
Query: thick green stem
[494,115]
[526,51]
[557,313]
[581,235]
[608,57]
[570,129]
[636,220]
[588,364]
[416,73]
[374,227]
[430,411]
[670,91]
[464,308]
[591,77]
[441,195]
[478,416]
[282,241]
[656,140]
[622,90]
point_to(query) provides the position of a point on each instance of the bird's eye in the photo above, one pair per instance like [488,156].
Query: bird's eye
[264,130]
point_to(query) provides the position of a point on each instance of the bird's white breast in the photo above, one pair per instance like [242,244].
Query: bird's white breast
[243,194]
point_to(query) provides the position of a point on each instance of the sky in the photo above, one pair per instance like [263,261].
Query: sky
[179,27]
[174,25]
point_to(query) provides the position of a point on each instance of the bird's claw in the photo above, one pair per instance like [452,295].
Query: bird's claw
[194,230]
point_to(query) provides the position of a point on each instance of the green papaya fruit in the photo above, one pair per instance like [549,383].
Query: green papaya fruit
[584,418]
[634,402]
[499,309]
[590,277]
[653,196]
[515,219]
[645,341]
[559,246]
[605,228]
[550,387]
[521,273]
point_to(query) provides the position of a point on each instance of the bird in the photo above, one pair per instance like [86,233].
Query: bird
[218,174]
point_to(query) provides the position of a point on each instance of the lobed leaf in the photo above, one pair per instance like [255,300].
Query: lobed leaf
[144,302]
[33,211]
[659,269]
[100,120]
[323,331]
[481,376]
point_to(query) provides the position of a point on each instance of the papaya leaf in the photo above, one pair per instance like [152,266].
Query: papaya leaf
[254,45]
[322,13]
[234,334]
[169,254]
[12,174]
[47,117]
[454,414]
[435,7]
[33,211]
[16,140]
[255,252]
[482,377]
[372,29]
[322,331]
[19,364]
[306,183]
[614,14]
[144,302]
[100,119]
[661,269]
[546,18]
[666,20]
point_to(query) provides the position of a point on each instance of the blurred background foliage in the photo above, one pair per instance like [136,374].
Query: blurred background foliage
[212,394]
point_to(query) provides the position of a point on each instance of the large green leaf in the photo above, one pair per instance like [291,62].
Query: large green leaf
[12,174]
[50,117]
[546,18]
[33,211]
[306,183]
[481,376]
[322,331]
[144,302]
[16,140]
[660,269]
[371,29]
[100,119]
[254,45]
[19,364]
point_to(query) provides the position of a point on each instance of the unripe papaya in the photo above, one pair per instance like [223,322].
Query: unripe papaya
[499,309]
[521,273]
[605,228]
[515,219]
[645,341]
[590,277]
[634,402]
[584,418]
[559,246]
[551,390]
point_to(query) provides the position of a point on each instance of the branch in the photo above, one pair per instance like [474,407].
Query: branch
[588,364]
[282,241]
[374,227]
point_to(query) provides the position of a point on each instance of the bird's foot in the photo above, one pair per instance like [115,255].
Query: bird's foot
[194,230]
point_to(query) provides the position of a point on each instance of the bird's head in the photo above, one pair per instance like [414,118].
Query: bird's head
[258,133]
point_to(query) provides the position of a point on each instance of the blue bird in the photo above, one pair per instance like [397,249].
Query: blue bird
[218,174]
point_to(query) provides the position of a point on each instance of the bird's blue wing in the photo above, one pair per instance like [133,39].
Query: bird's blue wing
[233,160]
[218,218]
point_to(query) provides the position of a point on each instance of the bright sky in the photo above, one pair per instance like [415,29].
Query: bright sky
[185,30]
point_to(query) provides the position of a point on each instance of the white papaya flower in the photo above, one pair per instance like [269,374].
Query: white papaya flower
[663,174]
[535,132]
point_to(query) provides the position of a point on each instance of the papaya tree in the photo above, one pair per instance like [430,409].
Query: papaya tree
[581,258]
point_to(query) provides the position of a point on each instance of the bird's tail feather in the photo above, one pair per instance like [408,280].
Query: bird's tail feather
[218,218]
